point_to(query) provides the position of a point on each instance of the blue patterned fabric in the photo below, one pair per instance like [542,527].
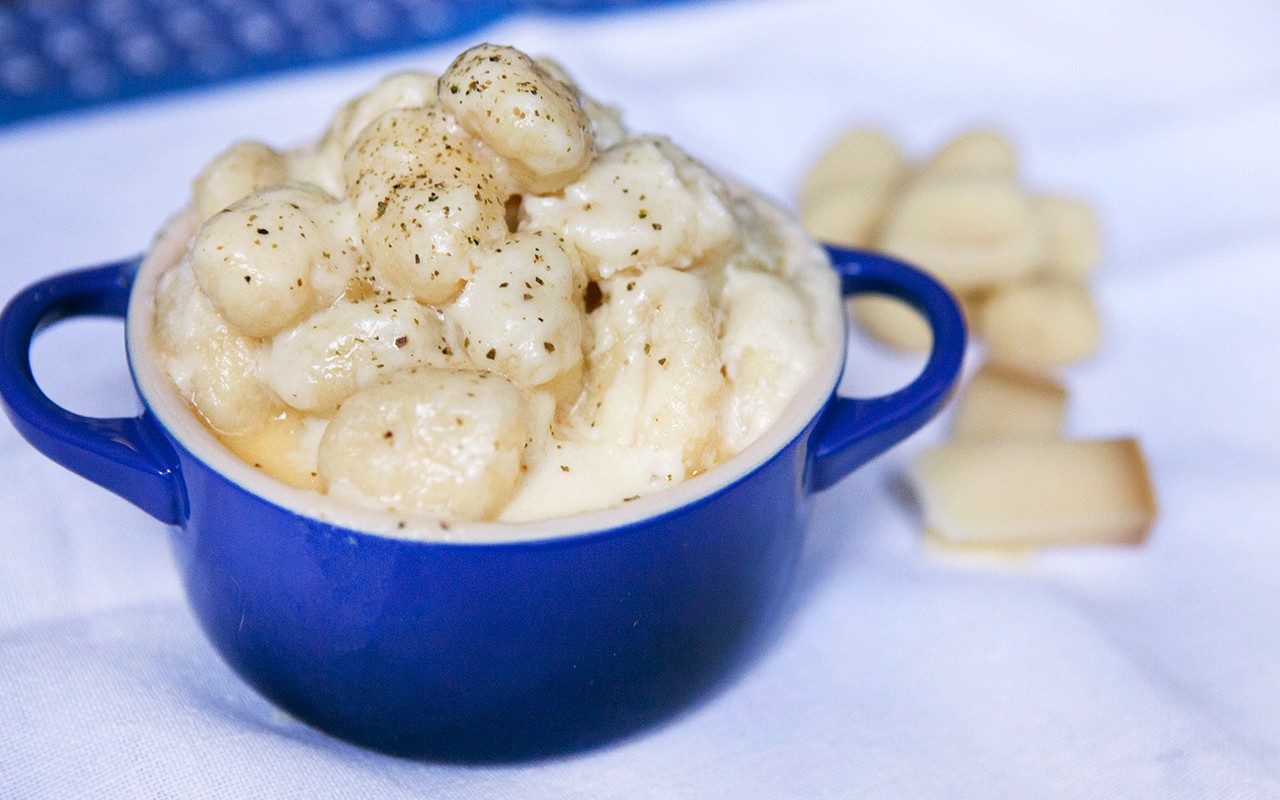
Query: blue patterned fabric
[57,55]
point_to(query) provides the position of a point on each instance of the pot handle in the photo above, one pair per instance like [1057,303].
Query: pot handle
[854,430]
[127,455]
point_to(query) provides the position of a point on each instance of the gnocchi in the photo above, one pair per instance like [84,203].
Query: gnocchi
[274,257]
[648,382]
[522,111]
[961,215]
[425,201]
[428,438]
[642,203]
[213,366]
[478,296]
[241,170]
[521,310]
[1018,264]
[970,232]
[1040,324]
[318,364]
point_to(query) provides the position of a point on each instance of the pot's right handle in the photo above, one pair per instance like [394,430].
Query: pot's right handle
[128,455]
[852,430]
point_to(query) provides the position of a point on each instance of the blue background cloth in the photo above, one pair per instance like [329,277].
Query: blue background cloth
[57,55]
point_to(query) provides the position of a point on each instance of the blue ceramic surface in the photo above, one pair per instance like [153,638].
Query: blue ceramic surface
[477,651]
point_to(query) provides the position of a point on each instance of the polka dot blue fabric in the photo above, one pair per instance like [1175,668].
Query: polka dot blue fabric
[58,55]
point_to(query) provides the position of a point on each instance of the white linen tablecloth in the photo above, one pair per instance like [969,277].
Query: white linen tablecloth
[1151,672]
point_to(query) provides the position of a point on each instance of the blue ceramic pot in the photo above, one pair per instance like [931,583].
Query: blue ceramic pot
[570,633]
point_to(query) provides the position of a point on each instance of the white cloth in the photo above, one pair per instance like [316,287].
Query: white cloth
[1151,672]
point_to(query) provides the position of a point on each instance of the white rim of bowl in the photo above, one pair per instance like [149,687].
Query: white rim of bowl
[174,414]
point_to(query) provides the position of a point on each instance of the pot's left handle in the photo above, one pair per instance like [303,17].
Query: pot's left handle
[127,455]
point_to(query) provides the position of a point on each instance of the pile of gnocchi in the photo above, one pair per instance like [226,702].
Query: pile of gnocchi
[1019,264]
[477,296]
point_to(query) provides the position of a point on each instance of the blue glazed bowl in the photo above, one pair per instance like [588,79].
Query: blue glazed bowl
[548,636]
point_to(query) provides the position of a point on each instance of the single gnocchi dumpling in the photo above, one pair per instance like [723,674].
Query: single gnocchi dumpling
[427,198]
[864,160]
[892,322]
[319,363]
[275,257]
[968,232]
[426,439]
[607,128]
[974,154]
[213,367]
[239,171]
[1040,324]
[642,204]
[850,217]
[522,111]
[1075,244]
[522,310]
[403,90]
[653,374]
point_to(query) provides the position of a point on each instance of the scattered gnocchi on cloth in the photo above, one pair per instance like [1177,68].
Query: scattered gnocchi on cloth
[1019,264]
[478,296]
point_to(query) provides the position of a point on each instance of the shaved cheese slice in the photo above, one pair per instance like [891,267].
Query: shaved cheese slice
[1005,401]
[1036,492]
